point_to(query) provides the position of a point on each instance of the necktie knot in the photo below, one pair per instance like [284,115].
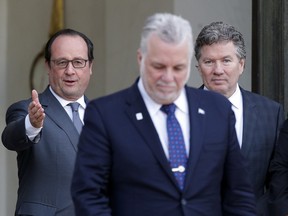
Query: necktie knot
[169,109]
[74,106]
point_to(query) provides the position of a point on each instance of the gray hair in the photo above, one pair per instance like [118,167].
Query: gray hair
[169,28]
[217,32]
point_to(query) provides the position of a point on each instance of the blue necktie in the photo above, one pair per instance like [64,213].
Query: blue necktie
[176,145]
[76,119]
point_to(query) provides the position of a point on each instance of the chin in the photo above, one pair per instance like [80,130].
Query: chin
[216,88]
[167,99]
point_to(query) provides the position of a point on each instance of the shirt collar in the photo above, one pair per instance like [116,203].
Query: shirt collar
[64,102]
[236,98]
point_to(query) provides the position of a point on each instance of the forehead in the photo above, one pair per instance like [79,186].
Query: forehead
[160,49]
[219,49]
[68,44]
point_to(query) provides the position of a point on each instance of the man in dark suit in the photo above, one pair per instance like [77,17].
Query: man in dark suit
[41,130]
[126,163]
[278,190]
[220,52]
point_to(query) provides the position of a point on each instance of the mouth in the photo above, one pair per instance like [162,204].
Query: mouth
[166,88]
[166,85]
[218,81]
[69,82]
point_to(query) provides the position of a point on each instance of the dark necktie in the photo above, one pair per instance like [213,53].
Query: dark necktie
[76,119]
[176,145]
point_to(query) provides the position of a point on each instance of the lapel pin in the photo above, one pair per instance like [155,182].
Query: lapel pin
[139,116]
[201,111]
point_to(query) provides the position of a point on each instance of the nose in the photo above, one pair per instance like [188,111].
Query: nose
[218,69]
[69,69]
[168,75]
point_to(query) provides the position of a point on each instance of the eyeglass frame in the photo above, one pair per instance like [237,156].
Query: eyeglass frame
[68,61]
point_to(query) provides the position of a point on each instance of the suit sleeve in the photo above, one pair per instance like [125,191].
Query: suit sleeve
[89,188]
[14,134]
[238,197]
[280,124]
[278,191]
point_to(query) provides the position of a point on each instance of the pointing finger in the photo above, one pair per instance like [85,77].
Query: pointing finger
[35,96]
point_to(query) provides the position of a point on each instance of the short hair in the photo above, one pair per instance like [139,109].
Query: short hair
[217,32]
[169,28]
[68,32]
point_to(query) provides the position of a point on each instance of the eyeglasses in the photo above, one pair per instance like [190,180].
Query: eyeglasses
[63,63]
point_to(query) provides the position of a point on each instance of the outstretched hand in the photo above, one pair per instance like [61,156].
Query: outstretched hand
[36,112]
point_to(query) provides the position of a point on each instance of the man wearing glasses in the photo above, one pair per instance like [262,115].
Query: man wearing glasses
[44,130]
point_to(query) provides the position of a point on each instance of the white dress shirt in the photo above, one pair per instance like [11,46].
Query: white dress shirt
[159,118]
[32,132]
[237,106]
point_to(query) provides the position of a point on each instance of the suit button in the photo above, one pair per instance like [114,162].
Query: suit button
[183,202]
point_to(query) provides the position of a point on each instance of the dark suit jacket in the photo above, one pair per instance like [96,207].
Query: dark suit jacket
[278,193]
[121,168]
[44,168]
[262,120]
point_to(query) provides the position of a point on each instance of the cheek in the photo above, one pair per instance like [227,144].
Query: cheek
[152,75]
[236,73]
[56,74]
[204,73]
[86,78]
[181,78]
[53,77]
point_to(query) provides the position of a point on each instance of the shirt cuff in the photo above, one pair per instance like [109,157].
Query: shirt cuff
[31,131]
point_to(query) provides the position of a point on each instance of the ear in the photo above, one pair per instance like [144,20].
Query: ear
[139,57]
[90,66]
[198,68]
[242,65]
[48,67]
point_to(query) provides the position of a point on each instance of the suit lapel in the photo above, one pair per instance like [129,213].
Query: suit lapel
[197,125]
[249,122]
[58,115]
[143,123]
[140,118]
